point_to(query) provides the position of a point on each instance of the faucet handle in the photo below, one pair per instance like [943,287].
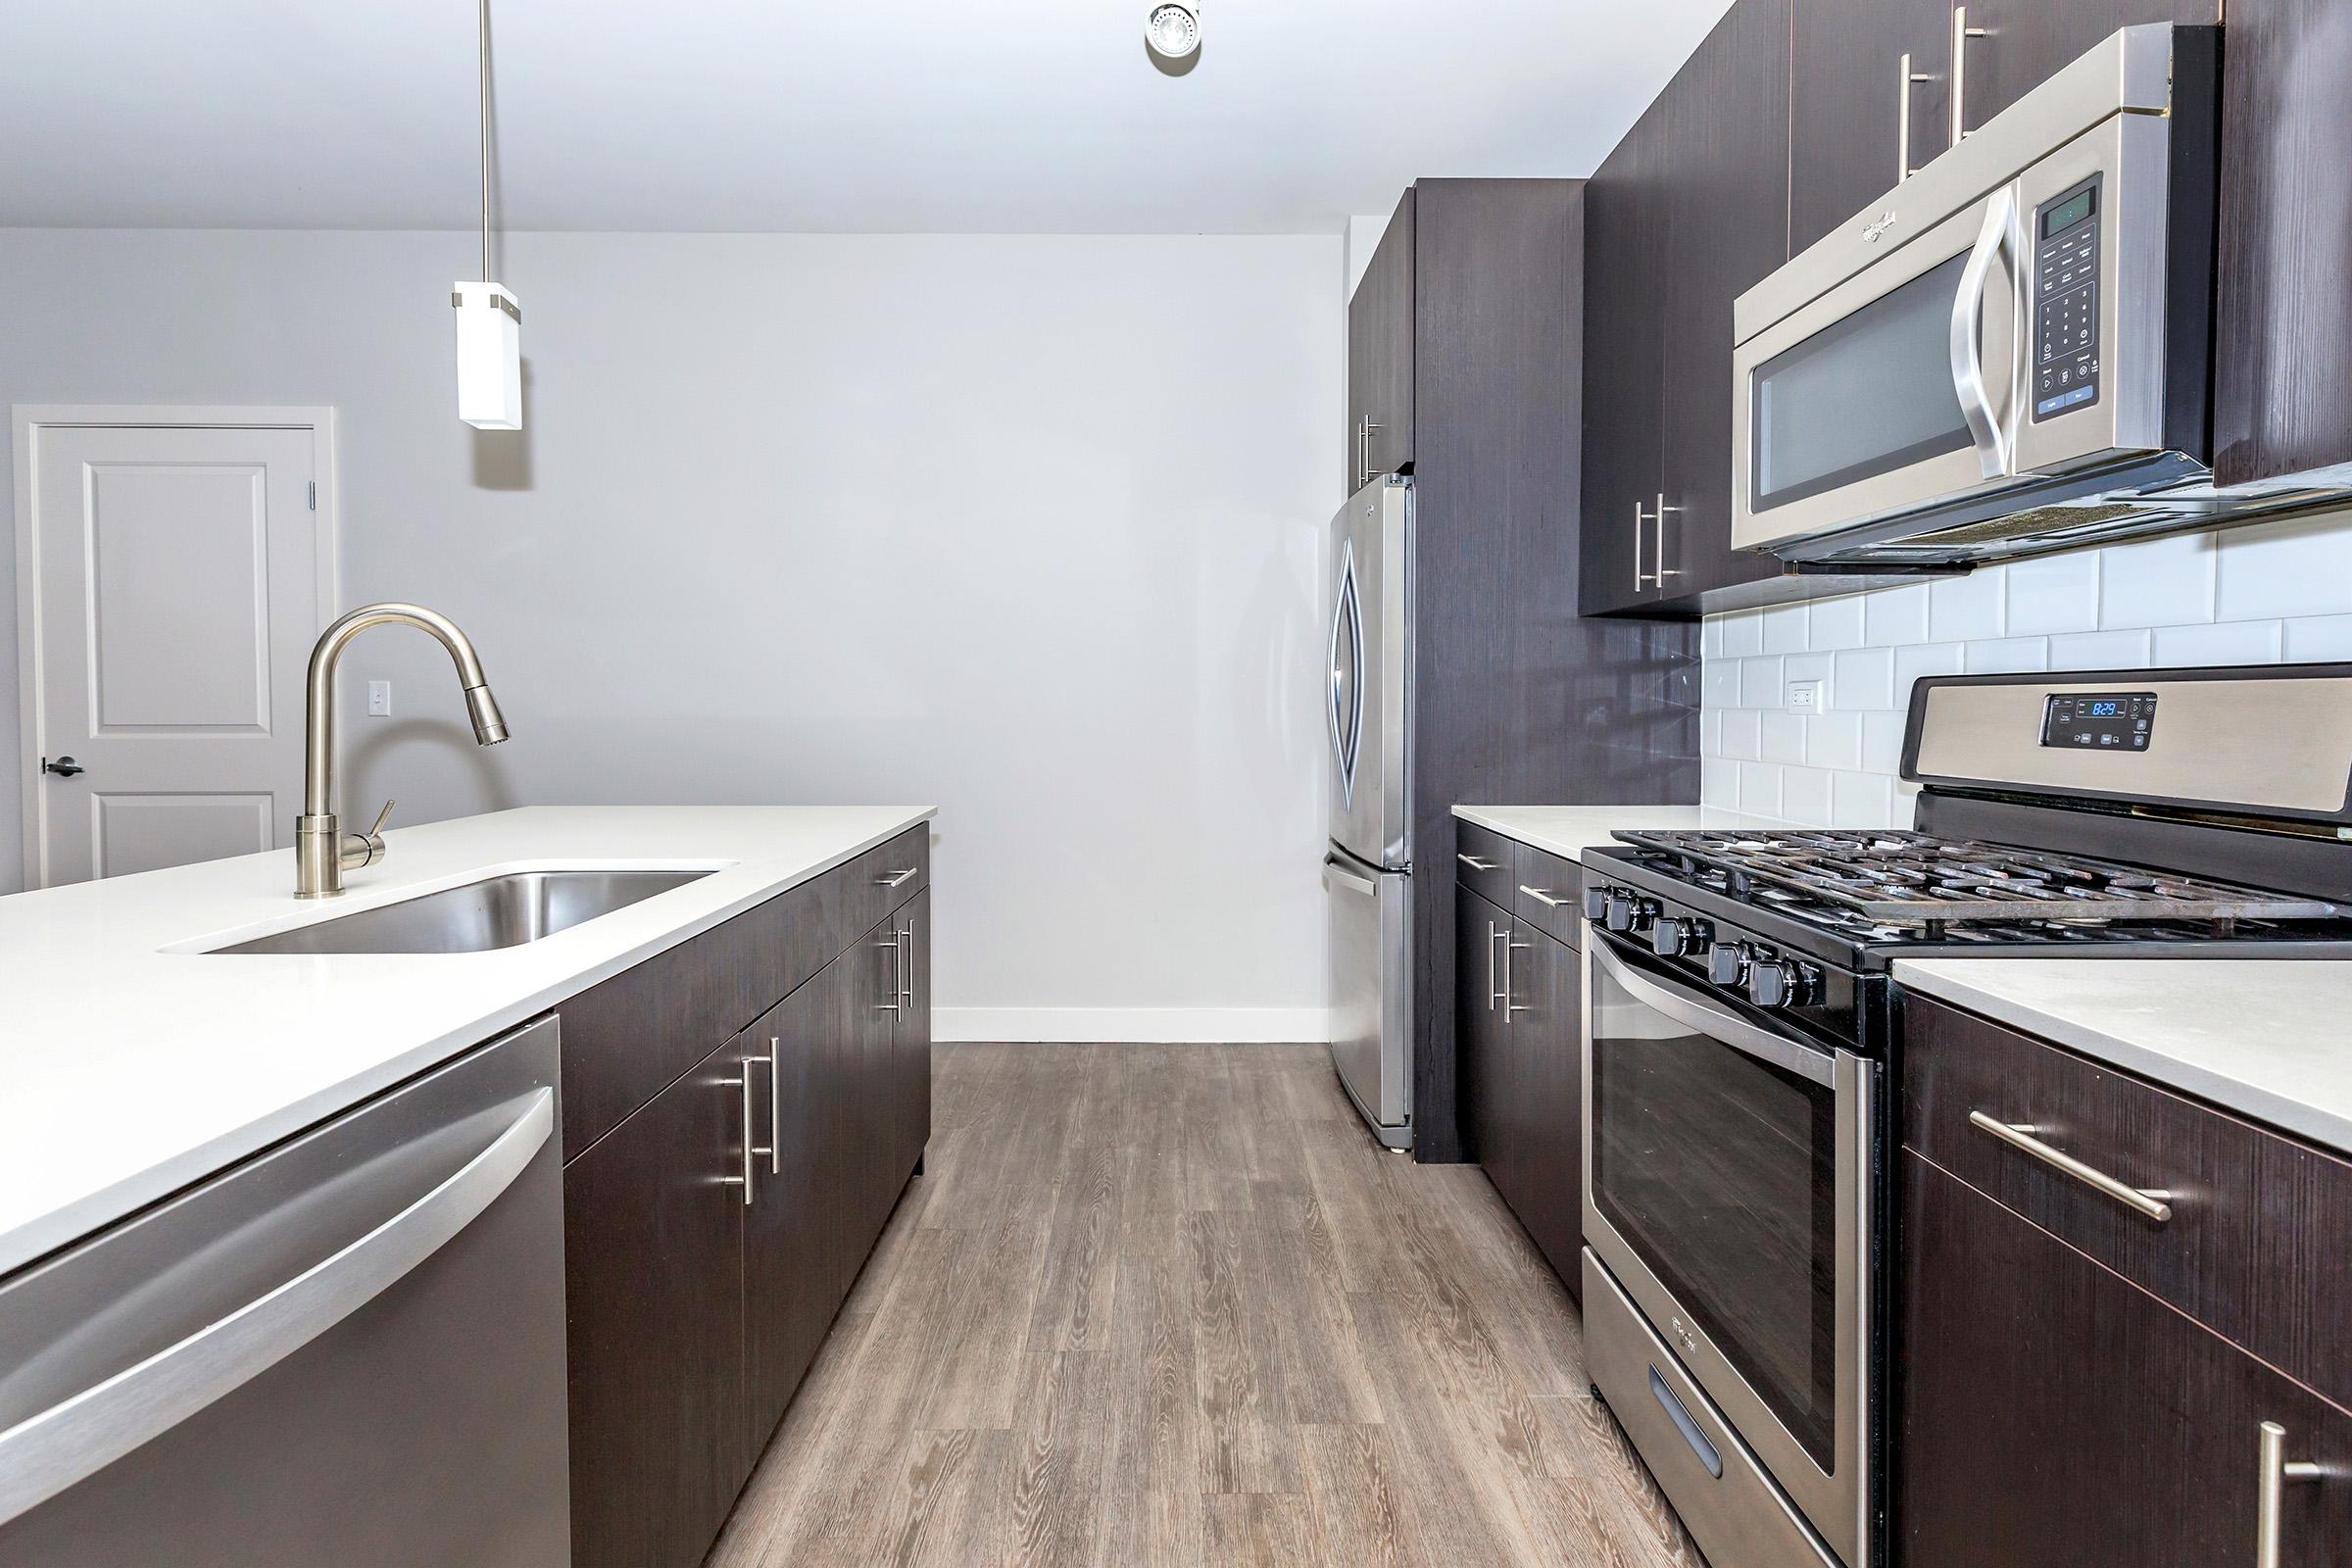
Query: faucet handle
[381,817]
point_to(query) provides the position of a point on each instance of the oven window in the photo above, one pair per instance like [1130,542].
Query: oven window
[1868,393]
[1720,1171]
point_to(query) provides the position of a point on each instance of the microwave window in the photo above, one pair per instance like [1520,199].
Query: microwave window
[1870,394]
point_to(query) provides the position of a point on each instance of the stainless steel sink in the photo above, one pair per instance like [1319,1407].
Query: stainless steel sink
[499,911]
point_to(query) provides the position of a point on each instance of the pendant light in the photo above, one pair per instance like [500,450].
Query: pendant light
[489,316]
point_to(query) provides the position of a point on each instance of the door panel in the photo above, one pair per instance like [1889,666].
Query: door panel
[1625,388]
[1369,928]
[1371,637]
[1845,63]
[1480,930]
[177,579]
[1546,1046]
[911,1051]
[1380,356]
[2026,41]
[789,1297]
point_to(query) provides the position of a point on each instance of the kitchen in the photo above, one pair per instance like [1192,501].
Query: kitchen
[1493,997]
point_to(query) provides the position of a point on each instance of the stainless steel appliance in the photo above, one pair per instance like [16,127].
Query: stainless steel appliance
[1367,865]
[1741,1050]
[2011,351]
[348,1350]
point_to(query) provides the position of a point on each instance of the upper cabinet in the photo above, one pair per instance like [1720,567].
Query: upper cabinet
[1380,356]
[1690,210]
[1866,97]
[2010,47]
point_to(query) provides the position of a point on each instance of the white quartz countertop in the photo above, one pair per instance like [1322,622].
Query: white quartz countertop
[2268,1037]
[1570,830]
[133,1062]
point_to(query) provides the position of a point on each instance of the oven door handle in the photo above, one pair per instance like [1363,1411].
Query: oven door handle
[1688,1010]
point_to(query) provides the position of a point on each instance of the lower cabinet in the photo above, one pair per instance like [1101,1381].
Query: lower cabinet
[2050,1411]
[1519,995]
[712,1233]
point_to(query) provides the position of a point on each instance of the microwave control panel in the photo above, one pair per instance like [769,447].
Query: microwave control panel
[2066,301]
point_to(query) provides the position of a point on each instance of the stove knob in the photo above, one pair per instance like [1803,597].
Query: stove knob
[1727,963]
[1772,985]
[1619,911]
[1596,903]
[1677,934]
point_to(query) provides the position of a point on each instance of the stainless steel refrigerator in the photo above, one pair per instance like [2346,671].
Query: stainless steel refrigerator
[1367,865]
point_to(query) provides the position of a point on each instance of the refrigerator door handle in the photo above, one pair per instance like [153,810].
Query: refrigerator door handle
[1334,873]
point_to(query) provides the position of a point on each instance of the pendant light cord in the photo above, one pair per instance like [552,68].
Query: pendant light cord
[483,33]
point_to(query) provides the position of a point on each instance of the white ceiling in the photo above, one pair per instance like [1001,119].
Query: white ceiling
[949,115]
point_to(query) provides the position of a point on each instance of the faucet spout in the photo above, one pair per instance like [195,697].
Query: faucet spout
[322,851]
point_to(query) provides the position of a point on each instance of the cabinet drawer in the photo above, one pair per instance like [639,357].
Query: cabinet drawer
[884,878]
[1547,892]
[2253,1244]
[1486,862]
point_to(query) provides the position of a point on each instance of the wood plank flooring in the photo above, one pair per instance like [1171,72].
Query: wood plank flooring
[1170,1304]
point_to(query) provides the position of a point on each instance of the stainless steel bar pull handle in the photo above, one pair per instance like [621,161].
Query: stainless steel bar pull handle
[1544,896]
[1475,863]
[1902,121]
[1510,1007]
[1961,34]
[906,966]
[892,1006]
[1496,992]
[753,1148]
[2269,1500]
[897,877]
[82,1433]
[2152,1202]
[1661,572]
[775,1105]
[1642,579]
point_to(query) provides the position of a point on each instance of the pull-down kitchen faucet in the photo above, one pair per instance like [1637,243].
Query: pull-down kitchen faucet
[322,851]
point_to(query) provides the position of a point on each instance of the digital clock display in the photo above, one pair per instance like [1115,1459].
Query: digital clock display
[2123,721]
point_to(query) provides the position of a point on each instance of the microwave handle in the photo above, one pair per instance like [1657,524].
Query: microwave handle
[1968,325]
[1692,1012]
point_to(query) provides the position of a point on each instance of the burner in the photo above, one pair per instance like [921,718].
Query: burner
[1903,879]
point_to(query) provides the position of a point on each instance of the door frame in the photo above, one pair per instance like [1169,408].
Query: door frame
[25,421]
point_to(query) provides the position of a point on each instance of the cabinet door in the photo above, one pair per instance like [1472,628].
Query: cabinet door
[1380,356]
[653,1267]
[2052,1412]
[2025,42]
[874,1105]
[1845,93]
[912,1038]
[2287,242]
[1546,1047]
[1727,182]
[793,1282]
[1625,239]
[1480,930]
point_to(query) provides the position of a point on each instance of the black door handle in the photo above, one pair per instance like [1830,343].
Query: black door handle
[63,767]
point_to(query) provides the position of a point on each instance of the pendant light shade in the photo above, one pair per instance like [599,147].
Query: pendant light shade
[489,316]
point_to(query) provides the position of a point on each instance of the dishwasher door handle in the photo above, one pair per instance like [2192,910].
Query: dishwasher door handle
[75,1438]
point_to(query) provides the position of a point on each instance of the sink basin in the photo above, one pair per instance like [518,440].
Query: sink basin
[498,911]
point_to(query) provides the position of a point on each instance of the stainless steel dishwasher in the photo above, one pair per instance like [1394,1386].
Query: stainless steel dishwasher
[348,1350]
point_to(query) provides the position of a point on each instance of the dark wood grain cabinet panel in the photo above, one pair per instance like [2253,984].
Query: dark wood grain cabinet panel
[1847,103]
[910,1036]
[1480,931]
[2282,395]
[652,1266]
[1380,355]
[2052,1412]
[2025,42]
[1623,367]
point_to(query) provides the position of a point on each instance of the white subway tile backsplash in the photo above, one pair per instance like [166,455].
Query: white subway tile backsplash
[2004,654]
[2229,642]
[1864,677]
[1760,681]
[2161,583]
[1834,740]
[1837,623]
[1784,627]
[1963,609]
[2245,596]
[2100,650]
[1805,796]
[2300,567]
[1781,737]
[2054,593]
[1893,616]
[2319,637]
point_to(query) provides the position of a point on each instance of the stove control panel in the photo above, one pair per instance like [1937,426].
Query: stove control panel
[2100,721]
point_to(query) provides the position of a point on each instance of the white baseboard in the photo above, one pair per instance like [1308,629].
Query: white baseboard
[1134,1025]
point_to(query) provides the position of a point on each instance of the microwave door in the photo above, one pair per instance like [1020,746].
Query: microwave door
[1891,390]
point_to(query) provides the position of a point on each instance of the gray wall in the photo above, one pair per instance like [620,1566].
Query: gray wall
[1026,526]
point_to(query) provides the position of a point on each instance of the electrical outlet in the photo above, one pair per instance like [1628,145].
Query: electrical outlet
[1805,696]
[379,699]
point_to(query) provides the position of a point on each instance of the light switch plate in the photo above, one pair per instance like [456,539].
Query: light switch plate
[1805,696]
[379,699]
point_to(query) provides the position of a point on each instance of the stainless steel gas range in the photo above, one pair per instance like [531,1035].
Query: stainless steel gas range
[1743,1048]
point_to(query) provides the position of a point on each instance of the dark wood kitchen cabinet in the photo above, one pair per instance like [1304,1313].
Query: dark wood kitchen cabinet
[1625,366]
[695,1313]
[2062,1357]
[1380,356]
[1848,102]
[2025,42]
[1480,930]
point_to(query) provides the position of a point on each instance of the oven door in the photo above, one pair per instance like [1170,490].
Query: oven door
[1728,1189]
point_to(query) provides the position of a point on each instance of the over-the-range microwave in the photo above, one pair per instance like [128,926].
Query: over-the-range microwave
[2012,351]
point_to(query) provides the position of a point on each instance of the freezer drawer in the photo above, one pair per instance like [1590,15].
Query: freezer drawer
[1370,925]
[346,1349]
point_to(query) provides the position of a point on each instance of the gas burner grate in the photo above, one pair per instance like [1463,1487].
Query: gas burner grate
[1914,879]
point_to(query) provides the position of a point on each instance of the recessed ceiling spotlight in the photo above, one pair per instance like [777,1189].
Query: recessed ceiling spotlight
[1173,30]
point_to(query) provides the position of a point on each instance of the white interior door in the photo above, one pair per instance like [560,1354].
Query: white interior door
[175,577]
